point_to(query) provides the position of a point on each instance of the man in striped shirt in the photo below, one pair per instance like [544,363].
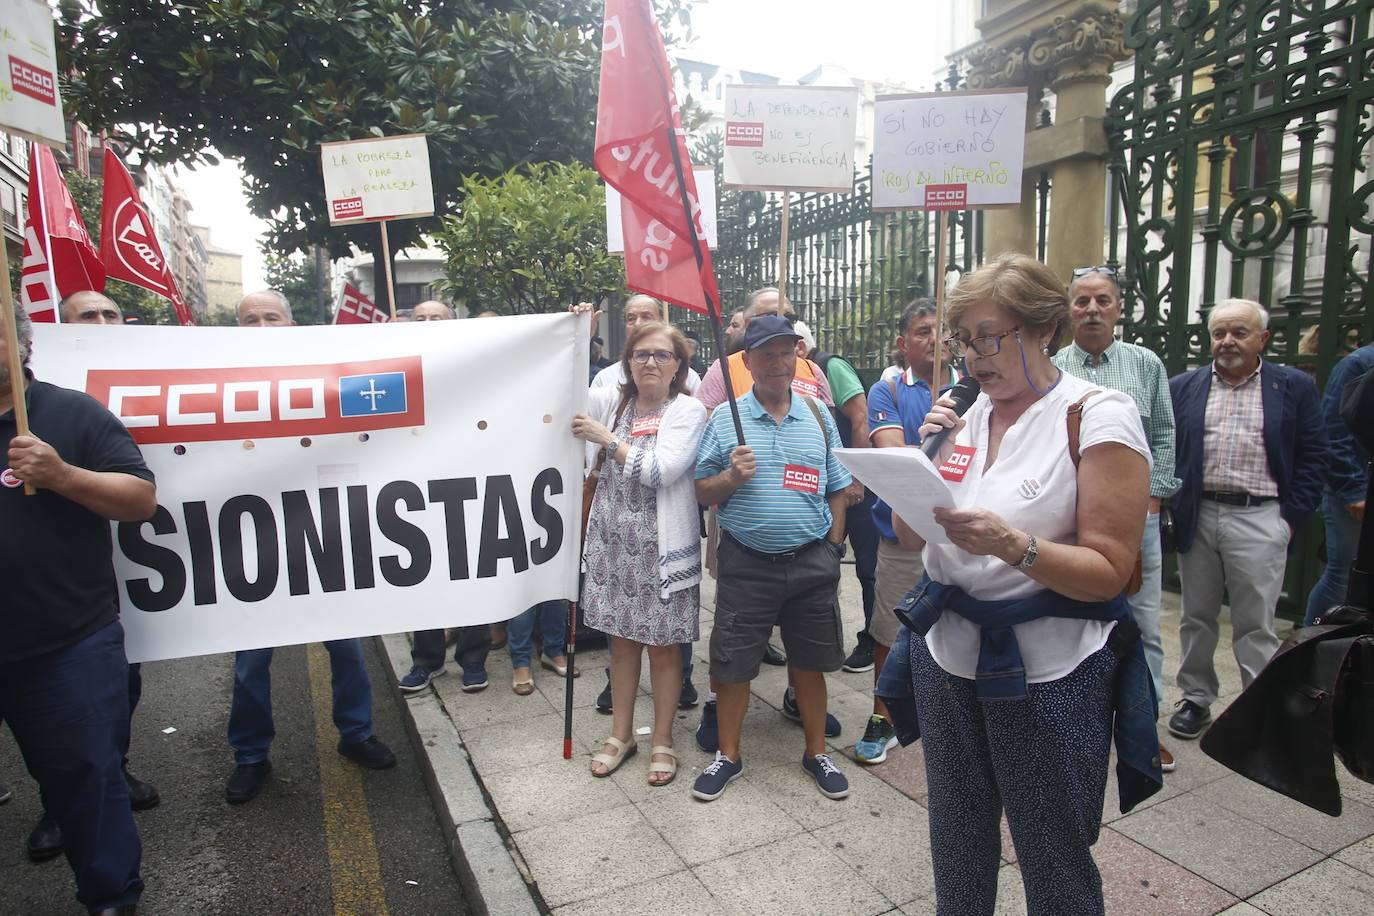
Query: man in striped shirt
[782,507]
[1098,357]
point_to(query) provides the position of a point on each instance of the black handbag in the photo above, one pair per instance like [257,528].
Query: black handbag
[1313,702]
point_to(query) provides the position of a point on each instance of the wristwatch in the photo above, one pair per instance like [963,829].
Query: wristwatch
[1028,560]
[613,446]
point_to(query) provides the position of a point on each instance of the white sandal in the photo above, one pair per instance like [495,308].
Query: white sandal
[656,767]
[624,751]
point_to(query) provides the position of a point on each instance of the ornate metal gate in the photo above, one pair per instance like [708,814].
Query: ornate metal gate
[850,270]
[1241,167]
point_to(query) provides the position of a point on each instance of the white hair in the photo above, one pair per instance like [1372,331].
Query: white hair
[274,294]
[645,297]
[1260,311]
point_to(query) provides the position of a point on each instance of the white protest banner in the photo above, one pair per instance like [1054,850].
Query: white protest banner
[30,101]
[948,150]
[706,188]
[329,482]
[790,138]
[375,179]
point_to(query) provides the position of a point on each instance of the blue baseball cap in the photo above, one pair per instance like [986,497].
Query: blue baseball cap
[768,327]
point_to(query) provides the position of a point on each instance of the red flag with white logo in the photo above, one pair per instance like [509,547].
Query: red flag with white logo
[59,258]
[128,244]
[638,125]
[355,308]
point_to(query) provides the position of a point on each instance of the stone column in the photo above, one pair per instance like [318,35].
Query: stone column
[1077,54]
[1013,228]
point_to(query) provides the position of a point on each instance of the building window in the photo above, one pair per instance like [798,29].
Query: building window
[409,295]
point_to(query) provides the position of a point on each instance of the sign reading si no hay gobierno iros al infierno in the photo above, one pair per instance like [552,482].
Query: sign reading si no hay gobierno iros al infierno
[964,145]
[790,138]
[377,178]
[329,482]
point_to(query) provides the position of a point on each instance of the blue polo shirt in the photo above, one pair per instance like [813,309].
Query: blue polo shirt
[907,414]
[783,505]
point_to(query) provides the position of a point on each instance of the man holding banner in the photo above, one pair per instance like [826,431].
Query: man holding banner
[250,713]
[64,686]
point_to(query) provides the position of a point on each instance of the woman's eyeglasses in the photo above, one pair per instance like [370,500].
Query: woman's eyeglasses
[662,357]
[988,345]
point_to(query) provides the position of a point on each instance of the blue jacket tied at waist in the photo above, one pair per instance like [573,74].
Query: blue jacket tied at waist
[1001,673]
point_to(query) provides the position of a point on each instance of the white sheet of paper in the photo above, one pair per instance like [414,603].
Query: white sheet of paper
[905,479]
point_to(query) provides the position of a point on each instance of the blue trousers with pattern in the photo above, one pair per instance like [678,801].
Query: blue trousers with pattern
[1042,760]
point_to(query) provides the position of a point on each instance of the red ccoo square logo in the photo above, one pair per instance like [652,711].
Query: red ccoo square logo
[946,196]
[33,81]
[263,402]
[744,133]
[348,208]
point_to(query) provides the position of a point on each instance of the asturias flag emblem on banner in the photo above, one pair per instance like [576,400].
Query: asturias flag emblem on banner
[639,147]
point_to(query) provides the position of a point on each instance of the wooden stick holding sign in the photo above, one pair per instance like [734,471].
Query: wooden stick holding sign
[14,361]
[375,180]
[386,263]
[948,151]
[790,138]
[782,247]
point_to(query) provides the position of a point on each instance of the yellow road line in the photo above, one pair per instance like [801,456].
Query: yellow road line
[354,872]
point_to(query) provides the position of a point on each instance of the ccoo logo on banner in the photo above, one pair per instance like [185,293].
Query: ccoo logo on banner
[407,477]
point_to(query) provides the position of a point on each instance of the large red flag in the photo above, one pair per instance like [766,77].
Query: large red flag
[355,308]
[59,258]
[637,128]
[128,244]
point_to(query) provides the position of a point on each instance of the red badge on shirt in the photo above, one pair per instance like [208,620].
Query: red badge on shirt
[808,388]
[957,466]
[8,479]
[801,478]
[645,426]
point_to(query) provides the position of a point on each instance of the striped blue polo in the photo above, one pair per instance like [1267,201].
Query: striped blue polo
[783,505]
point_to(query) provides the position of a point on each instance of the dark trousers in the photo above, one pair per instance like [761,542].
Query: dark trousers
[863,540]
[469,651]
[250,714]
[69,712]
[1042,760]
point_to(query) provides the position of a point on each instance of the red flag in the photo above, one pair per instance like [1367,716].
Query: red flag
[355,308]
[637,127]
[59,258]
[128,244]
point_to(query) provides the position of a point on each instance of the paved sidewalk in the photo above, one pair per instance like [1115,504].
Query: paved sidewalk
[1210,842]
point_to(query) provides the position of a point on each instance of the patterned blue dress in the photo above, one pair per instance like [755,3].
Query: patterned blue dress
[620,596]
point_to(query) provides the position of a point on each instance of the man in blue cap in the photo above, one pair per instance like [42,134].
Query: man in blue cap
[781,508]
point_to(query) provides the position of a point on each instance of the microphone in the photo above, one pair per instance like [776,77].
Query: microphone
[963,395]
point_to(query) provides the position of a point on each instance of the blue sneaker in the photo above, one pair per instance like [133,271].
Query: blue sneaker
[475,681]
[719,773]
[879,738]
[828,777]
[419,677]
[708,733]
[789,711]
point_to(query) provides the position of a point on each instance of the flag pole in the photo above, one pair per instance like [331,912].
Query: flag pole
[15,363]
[713,310]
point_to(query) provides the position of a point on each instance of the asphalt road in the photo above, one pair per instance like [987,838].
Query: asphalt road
[324,837]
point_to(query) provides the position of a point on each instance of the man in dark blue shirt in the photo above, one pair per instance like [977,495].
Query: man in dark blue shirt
[64,678]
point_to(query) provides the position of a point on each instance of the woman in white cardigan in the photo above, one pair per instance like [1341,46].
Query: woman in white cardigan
[643,545]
